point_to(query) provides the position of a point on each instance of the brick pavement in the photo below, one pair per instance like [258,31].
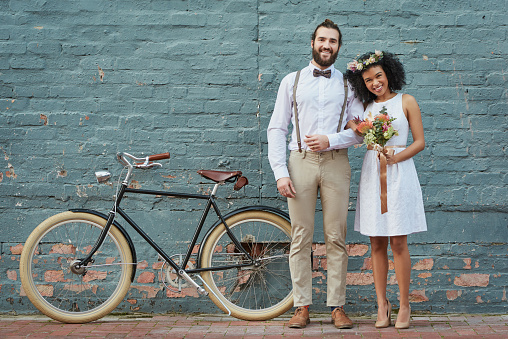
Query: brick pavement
[214,326]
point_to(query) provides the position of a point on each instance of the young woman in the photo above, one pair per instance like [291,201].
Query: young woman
[375,77]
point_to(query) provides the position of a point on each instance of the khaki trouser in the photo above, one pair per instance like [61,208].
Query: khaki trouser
[328,172]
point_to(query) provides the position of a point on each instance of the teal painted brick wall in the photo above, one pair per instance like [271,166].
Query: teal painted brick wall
[81,80]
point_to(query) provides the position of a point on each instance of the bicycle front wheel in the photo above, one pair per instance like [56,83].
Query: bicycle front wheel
[60,291]
[258,292]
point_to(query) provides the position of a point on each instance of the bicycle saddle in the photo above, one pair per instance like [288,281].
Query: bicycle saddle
[218,176]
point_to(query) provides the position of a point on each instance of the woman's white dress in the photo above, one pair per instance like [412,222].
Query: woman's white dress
[405,204]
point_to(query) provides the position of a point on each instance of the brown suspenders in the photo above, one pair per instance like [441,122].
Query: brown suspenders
[295,109]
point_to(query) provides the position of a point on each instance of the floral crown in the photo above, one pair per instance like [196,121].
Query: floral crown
[358,65]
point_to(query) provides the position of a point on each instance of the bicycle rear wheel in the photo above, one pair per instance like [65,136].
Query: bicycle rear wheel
[55,287]
[258,292]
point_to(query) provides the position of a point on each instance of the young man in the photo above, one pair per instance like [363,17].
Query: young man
[319,164]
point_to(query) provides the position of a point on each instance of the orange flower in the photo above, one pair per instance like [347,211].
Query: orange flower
[364,127]
[382,117]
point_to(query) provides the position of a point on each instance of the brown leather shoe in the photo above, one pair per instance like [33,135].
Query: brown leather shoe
[340,319]
[300,319]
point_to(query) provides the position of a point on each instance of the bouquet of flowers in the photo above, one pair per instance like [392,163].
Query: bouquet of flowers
[376,130]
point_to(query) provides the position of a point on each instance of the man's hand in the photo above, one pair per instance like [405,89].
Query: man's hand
[286,188]
[317,142]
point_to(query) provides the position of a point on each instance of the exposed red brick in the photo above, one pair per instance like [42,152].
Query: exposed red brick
[186,292]
[315,263]
[44,290]
[63,249]
[359,279]
[146,277]
[453,294]
[54,276]
[109,261]
[357,250]
[142,265]
[468,264]
[418,296]
[135,184]
[147,291]
[318,275]
[44,119]
[468,280]
[392,279]
[10,173]
[12,275]
[425,275]
[95,275]
[78,288]
[195,249]
[157,265]
[317,291]
[324,264]
[86,249]
[479,299]
[16,249]
[424,264]
[319,250]
[367,264]
[132,301]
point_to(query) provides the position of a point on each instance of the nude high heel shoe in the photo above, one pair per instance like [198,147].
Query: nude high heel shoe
[403,325]
[387,322]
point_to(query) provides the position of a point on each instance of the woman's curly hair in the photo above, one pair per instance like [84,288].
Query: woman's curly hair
[391,66]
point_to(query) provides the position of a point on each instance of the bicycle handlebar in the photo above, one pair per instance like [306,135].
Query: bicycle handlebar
[142,162]
[160,156]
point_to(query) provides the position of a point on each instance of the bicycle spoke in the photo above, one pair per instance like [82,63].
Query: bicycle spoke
[262,285]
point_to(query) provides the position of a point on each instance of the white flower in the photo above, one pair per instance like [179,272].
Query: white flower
[352,66]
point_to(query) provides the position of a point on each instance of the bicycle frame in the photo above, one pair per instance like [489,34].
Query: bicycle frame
[179,268]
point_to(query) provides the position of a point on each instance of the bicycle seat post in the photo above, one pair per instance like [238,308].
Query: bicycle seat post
[216,187]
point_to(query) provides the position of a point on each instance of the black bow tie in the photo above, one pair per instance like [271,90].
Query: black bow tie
[326,74]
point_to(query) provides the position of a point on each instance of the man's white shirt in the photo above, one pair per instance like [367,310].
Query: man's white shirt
[319,101]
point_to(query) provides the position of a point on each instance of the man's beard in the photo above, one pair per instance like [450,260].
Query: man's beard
[321,62]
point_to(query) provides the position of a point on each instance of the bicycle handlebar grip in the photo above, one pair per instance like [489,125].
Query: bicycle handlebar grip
[158,156]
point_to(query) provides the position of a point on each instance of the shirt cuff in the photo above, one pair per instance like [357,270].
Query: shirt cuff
[344,139]
[281,173]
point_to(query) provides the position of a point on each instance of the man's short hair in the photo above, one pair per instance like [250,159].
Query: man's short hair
[328,24]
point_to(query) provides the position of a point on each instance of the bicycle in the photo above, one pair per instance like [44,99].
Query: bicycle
[77,266]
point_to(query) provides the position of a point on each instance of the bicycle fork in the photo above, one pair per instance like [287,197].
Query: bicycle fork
[78,266]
